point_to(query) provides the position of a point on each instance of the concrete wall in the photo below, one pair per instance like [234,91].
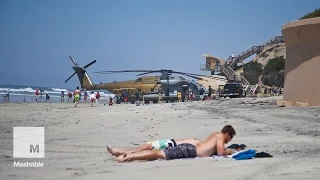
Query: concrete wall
[213,80]
[211,61]
[302,69]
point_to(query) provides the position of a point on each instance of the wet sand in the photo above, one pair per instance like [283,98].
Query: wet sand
[76,139]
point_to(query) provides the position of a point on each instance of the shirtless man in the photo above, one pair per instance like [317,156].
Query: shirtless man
[154,145]
[213,145]
[76,96]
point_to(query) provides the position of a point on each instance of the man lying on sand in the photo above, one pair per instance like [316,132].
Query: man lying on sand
[213,145]
[154,145]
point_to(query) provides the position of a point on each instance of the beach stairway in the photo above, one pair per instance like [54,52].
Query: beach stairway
[233,76]
[228,68]
[253,50]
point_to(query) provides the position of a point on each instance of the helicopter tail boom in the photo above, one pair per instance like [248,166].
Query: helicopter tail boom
[83,77]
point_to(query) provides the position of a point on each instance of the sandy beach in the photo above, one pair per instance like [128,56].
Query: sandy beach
[76,139]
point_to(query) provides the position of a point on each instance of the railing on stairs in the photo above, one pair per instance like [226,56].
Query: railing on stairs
[240,78]
[232,76]
[226,72]
[227,69]
[254,50]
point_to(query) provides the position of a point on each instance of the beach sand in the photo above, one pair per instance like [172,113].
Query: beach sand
[76,139]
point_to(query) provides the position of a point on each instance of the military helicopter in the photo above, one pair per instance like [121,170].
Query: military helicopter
[148,86]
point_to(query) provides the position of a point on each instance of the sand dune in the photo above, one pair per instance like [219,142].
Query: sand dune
[76,139]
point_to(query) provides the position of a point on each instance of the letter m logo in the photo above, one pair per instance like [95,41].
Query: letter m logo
[34,149]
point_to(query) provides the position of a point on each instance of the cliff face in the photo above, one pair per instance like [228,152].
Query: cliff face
[273,74]
[270,52]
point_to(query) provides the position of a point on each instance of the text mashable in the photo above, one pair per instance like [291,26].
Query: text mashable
[27,164]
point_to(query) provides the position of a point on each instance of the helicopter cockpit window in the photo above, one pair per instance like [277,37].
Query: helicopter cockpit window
[139,80]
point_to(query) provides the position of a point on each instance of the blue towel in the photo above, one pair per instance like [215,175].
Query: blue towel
[248,154]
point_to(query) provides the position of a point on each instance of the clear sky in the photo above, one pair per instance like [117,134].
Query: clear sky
[38,36]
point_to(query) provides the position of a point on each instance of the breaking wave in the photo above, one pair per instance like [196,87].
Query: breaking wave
[53,92]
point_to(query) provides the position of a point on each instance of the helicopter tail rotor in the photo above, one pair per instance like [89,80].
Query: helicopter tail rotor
[73,61]
[70,77]
[81,72]
[89,64]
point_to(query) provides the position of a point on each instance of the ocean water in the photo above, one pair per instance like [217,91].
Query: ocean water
[19,93]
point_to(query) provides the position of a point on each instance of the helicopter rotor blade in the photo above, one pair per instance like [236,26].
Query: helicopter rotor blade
[162,71]
[122,71]
[70,77]
[144,73]
[195,77]
[102,72]
[92,62]
[187,73]
[73,61]
[147,73]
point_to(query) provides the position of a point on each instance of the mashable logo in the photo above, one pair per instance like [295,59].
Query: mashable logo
[28,142]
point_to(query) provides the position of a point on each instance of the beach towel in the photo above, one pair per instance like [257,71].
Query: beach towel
[248,154]
[228,156]
[239,155]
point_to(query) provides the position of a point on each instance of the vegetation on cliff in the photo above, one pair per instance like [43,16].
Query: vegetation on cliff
[314,14]
[273,72]
[252,71]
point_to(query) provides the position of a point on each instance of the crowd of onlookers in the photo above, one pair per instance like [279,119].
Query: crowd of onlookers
[272,91]
[95,97]
[86,96]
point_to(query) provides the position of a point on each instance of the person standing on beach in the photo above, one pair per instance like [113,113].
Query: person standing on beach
[92,98]
[76,96]
[69,96]
[201,92]
[37,94]
[97,97]
[62,96]
[137,94]
[210,92]
[124,96]
[179,96]
[7,95]
[85,94]
[47,97]
[41,91]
